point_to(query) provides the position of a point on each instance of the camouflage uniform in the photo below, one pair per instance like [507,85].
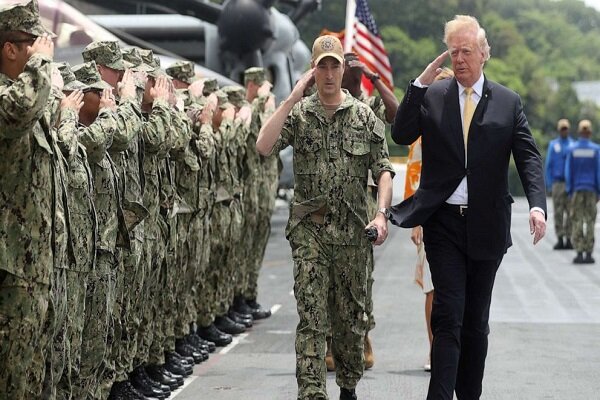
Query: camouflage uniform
[100,298]
[81,235]
[220,223]
[376,104]
[267,191]
[583,213]
[205,292]
[32,234]
[332,157]
[156,143]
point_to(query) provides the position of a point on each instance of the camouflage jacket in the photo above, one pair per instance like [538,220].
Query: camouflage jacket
[376,104]
[332,157]
[223,177]
[83,228]
[154,134]
[28,181]
[205,144]
[97,138]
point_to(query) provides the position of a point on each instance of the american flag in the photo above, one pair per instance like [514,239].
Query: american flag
[362,37]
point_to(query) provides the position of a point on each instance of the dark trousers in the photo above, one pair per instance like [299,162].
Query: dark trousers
[461,307]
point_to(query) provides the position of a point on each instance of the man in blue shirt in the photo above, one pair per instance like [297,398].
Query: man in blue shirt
[555,182]
[582,173]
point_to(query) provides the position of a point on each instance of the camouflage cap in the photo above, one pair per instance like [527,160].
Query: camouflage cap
[105,52]
[88,74]
[153,62]
[585,125]
[235,94]
[132,56]
[70,81]
[563,124]
[23,17]
[210,86]
[183,71]
[222,99]
[254,74]
[327,46]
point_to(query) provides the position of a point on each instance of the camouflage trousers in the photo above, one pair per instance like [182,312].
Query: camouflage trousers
[187,252]
[49,359]
[267,190]
[583,219]
[229,270]
[152,258]
[202,296]
[330,285]
[560,200]
[164,297]
[23,308]
[98,330]
[131,310]
[219,253]
[246,250]
[77,286]
[193,258]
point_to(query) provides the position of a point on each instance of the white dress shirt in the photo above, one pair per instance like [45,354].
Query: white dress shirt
[461,194]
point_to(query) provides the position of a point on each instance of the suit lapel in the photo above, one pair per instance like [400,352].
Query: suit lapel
[475,131]
[451,118]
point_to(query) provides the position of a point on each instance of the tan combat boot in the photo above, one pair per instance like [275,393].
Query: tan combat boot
[369,359]
[329,357]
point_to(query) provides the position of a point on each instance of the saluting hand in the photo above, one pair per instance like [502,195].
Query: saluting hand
[126,87]
[537,225]
[42,45]
[107,100]
[433,69]
[306,81]
[160,89]
[73,101]
[197,88]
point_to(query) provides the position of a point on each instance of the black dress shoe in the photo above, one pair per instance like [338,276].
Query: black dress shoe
[157,373]
[211,333]
[347,394]
[258,312]
[225,324]
[578,259]
[239,319]
[148,387]
[568,245]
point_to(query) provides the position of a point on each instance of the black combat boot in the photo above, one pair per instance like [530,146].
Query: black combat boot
[214,335]
[158,374]
[124,391]
[258,312]
[225,324]
[588,258]
[185,349]
[560,245]
[240,319]
[144,384]
[568,244]
[347,394]
[579,258]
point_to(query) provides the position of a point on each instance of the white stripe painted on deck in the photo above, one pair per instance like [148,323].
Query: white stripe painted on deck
[275,308]
[280,332]
[236,340]
[186,383]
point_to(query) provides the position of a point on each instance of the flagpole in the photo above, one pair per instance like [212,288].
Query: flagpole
[350,18]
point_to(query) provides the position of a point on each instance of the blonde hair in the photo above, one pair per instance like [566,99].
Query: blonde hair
[467,22]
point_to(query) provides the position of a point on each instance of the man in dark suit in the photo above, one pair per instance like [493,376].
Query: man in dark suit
[469,127]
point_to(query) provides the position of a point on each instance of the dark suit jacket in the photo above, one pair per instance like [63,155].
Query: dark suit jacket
[499,128]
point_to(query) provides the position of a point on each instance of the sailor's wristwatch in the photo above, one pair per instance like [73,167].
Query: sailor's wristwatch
[386,212]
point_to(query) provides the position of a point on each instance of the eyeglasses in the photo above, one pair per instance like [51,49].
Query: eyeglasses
[24,40]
